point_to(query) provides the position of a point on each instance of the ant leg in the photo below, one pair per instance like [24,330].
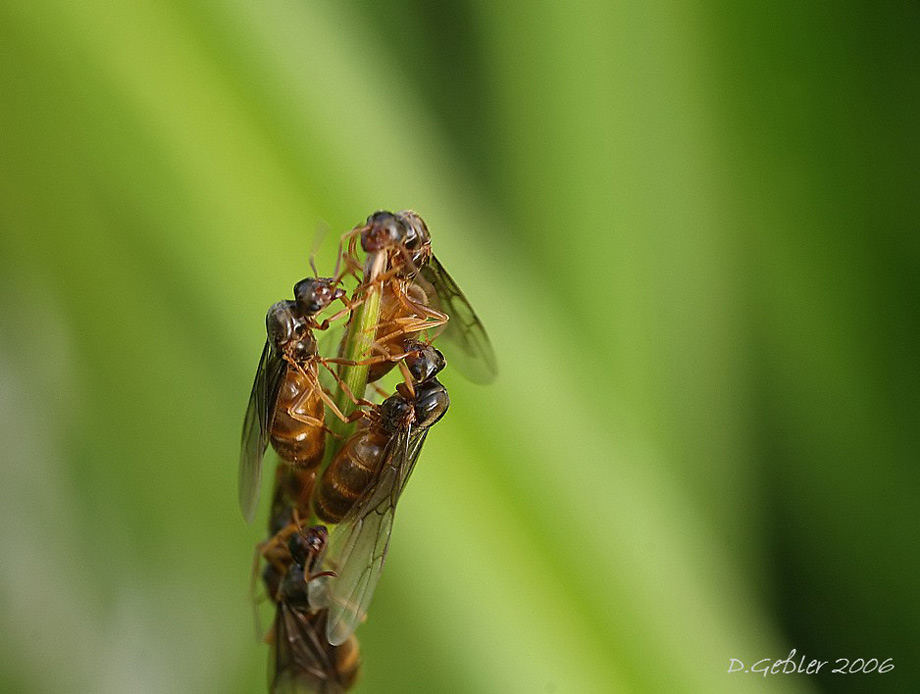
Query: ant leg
[404,327]
[305,418]
[317,422]
[344,386]
[350,305]
[384,356]
[418,305]
[353,266]
[437,332]
[351,237]
[407,258]
[297,522]
[422,311]
[408,328]
[353,417]
[370,361]
[407,378]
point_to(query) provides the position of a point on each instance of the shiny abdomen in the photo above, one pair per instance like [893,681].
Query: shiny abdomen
[351,472]
[297,429]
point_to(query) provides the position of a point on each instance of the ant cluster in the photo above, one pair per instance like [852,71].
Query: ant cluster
[347,445]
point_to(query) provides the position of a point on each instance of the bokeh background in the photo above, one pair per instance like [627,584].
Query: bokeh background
[690,227]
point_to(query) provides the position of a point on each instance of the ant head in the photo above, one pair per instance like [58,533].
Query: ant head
[306,548]
[313,294]
[424,361]
[382,230]
[405,232]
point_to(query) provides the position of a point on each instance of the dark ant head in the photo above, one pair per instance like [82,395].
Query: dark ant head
[313,294]
[383,230]
[424,361]
[317,536]
[307,548]
[405,231]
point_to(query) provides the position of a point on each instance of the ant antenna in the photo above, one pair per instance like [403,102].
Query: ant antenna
[351,237]
[322,228]
[338,261]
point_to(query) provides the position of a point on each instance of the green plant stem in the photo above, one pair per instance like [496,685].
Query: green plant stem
[358,343]
[362,329]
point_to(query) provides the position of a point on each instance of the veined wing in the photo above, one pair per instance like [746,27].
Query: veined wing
[472,353]
[302,662]
[358,545]
[257,427]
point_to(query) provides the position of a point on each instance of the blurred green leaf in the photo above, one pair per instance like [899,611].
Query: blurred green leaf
[690,230]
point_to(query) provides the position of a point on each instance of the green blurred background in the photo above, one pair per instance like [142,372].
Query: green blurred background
[690,227]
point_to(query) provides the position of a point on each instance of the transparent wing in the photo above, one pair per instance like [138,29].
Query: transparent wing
[257,428]
[468,348]
[412,453]
[358,545]
[301,660]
